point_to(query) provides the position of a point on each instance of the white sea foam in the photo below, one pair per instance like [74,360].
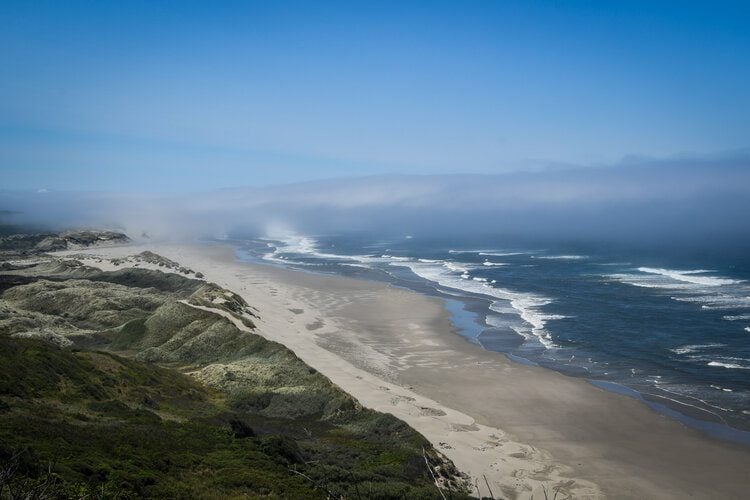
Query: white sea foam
[646,281]
[728,365]
[451,275]
[560,257]
[492,253]
[494,264]
[527,308]
[711,292]
[717,301]
[291,243]
[739,317]
[455,267]
[396,258]
[687,349]
[466,251]
[725,361]
[652,277]
[295,244]
[274,256]
[720,388]
[690,276]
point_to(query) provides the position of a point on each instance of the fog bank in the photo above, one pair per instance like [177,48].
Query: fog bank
[689,200]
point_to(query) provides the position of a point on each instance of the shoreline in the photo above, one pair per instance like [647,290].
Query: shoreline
[470,324]
[521,426]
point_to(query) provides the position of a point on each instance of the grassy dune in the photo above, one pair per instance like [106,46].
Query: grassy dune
[114,384]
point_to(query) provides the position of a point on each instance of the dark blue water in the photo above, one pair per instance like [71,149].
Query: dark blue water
[672,325]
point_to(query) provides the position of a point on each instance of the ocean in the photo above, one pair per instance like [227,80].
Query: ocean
[669,328]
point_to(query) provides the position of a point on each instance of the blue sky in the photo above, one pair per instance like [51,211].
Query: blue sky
[183,96]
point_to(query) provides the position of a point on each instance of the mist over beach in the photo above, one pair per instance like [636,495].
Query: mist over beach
[639,202]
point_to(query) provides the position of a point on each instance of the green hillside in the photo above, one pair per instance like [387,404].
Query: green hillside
[95,399]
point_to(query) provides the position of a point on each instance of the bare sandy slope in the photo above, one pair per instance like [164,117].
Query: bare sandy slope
[522,427]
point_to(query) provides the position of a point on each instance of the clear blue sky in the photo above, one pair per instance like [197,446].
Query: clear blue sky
[189,96]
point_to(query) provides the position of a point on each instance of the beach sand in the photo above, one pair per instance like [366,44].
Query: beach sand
[523,428]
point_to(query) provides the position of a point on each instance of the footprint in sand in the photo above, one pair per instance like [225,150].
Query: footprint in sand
[398,399]
[464,427]
[488,445]
[431,412]
[315,325]
[523,454]
[297,311]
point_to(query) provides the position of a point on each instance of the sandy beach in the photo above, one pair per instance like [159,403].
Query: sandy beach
[523,428]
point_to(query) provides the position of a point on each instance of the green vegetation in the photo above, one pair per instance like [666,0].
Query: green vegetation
[32,243]
[113,385]
[214,296]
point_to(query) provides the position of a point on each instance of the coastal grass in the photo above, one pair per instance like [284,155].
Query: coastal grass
[155,398]
[140,430]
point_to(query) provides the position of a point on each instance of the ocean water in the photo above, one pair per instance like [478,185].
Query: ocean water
[671,330]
